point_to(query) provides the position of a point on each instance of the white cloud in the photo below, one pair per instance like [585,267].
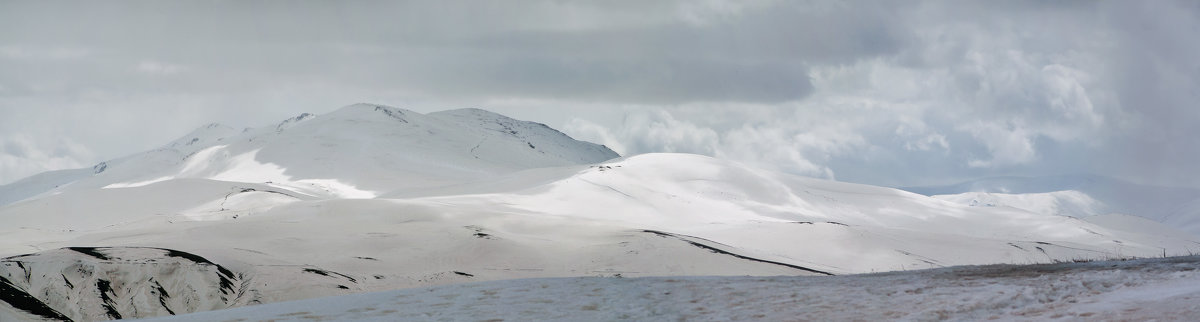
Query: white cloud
[660,131]
[1008,145]
[22,156]
[918,137]
[585,130]
[799,152]
[763,135]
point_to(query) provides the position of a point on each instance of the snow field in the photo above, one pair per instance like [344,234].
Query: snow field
[1140,290]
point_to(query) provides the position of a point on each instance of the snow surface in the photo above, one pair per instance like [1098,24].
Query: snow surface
[1078,196]
[354,152]
[40,184]
[178,282]
[1069,203]
[373,198]
[1141,290]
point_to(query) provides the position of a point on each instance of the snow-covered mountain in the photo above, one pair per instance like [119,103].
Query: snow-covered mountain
[356,152]
[373,198]
[1078,196]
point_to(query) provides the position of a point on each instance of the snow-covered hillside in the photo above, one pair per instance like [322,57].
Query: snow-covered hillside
[41,183]
[358,151]
[374,198]
[1061,203]
[121,282]
[1078,196]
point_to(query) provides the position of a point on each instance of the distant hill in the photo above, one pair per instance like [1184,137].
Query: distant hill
[1078,196]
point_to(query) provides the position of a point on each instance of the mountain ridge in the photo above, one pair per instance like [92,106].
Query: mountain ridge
[462,152]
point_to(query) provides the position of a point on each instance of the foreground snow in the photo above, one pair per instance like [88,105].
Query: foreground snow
[1129,290]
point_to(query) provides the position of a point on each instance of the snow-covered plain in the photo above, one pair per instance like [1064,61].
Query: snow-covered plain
[374,198]
[1139,290]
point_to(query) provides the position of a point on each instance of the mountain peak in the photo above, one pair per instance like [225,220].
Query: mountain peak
[492,121]
[535,136]
[357,148]
[292,121]
[373,110]
[474,112]
[203,135]
[368,112]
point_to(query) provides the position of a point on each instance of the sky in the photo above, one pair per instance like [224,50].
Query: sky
[894,93]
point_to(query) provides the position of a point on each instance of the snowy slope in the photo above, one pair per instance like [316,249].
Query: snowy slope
[1078,196]
[40,183]
[373,198]
[639,216]
[875,228]
[207,135]
[536,136]
[1060,203]
[1143,290]
[122,282]
[355,152]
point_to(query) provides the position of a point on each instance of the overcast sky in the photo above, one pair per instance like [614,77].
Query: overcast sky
[882,92]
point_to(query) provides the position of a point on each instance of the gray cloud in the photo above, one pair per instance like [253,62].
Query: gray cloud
[887,93]
[669,53]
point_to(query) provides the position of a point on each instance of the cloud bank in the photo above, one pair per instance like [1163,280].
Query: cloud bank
[903,93]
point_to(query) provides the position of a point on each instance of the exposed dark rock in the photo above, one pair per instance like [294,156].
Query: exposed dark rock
[723,252]
[100,167]
[21,300]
